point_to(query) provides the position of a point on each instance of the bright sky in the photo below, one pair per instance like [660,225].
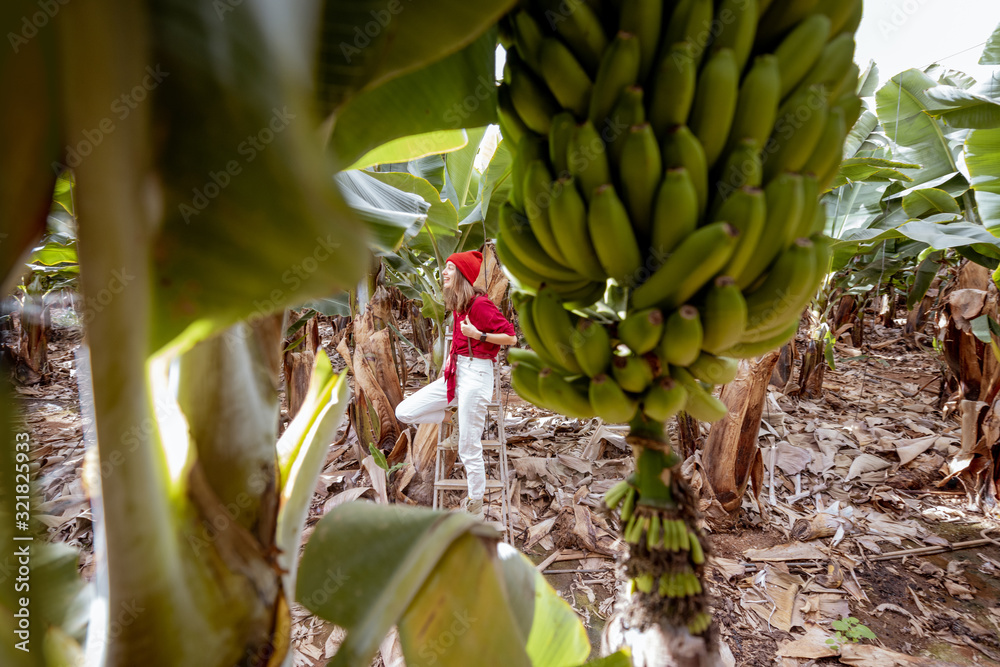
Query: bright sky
[900,34]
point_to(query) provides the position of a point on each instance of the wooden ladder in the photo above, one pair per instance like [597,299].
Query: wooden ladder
[500,482]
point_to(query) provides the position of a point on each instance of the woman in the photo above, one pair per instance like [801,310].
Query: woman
[479,331]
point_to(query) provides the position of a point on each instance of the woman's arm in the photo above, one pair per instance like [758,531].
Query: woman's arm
[470,331]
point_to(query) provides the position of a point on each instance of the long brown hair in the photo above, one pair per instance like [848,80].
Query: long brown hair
[460,294]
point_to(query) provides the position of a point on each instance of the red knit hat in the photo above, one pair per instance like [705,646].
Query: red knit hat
[468,264]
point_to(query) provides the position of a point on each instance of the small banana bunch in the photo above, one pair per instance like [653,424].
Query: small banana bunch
[678,150]
[663,536]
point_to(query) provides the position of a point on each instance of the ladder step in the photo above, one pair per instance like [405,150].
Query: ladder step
[461,484]
[487,444]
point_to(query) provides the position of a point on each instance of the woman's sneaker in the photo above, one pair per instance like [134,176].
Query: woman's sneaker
[473,507]
[451,442]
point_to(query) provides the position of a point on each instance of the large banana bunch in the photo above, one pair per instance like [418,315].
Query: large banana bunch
[675,152]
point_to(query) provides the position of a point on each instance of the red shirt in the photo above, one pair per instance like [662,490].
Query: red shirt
[486,317]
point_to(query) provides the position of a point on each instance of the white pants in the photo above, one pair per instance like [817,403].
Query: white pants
[474,389]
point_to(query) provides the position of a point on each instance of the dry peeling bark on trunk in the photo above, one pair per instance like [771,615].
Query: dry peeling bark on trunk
[298,365]
[812,370]
[731,451]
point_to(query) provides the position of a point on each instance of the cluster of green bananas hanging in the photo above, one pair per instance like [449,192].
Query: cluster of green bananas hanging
[677,149]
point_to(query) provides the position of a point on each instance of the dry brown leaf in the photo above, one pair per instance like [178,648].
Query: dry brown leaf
[790,551]
[866,655]
[811,645]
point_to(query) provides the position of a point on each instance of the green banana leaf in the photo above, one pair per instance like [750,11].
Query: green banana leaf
[940,232]
[456,92]
[442,218]
[367,43]
[871,169]
[925,201]
[982,159]
[860,133]
[902,105]
[301,452]
[456,596]
[412,147]
[991,54]
[922,278]
[620,659]
[963,108]
[459,165]
[868,81]
[391,214]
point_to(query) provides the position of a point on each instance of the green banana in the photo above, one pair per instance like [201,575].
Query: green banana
[715,103]
[847,84]
[612,236]
[564,75]
[693,263]
[796,132]
[758,101]
[524,380]
[568,215]
[673,88]
[829,151]
[592,347]
[691,21]
[724,315]
[512,127]
[664,399]
[682,149]
[532,101]
[835,60]
[516,235]
[563,126]
[781,16]
[742,168]
[587,158]
[641,170]
[697,553]
[628,111]
[520,355]
[562,396]
[644,582]
[746,211]
[810,198]
[785,197]
[784,292]
[609,402]
[530,280]
[654,534]
[619,69]
[528,37]
[714,370]
[818,225]
[529,149]
[684,542]
[616,494]
[800,50]
[751,350]
[737,28]
[628,505]
[683,337]
[840,13]
[643,18]
[526,320]
[851,105]
[700,404]
[537,191]
[584,297]
[675,214]
[632,373]
[854,20]
[555,328]
[581,29]
[641,330]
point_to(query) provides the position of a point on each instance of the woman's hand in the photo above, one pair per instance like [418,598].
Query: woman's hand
[469,330]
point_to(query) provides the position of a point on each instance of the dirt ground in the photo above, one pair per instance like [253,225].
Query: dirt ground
[775,598]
